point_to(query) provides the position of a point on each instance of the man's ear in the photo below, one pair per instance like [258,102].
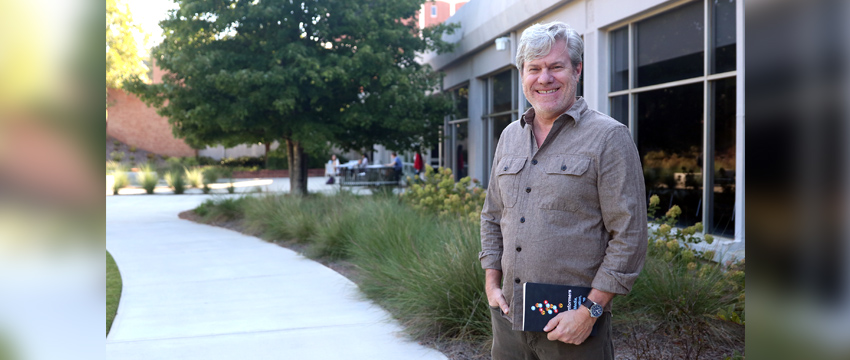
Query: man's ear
[578,69]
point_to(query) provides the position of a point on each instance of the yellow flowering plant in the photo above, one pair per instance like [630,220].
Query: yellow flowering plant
[674,245]
[438,193]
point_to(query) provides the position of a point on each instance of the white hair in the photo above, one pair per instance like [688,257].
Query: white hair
[537,41]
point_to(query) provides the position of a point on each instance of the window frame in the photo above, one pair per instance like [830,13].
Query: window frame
[708,80]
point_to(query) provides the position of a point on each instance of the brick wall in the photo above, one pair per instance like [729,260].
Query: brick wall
[134,123]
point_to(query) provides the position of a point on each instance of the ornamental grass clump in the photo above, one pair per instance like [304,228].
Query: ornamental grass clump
[423,269]
[210,175]
[148,178]
[225,209]
[439,194]
[120,178]
[194,177]
[175,181]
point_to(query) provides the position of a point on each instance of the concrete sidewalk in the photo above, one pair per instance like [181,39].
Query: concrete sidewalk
[194,291]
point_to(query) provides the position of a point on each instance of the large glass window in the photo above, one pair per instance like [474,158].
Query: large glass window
[724,36]
[501,110]
[723,218]
[620,59]
[670,147]
[682,107]
[670,45]
[456,130]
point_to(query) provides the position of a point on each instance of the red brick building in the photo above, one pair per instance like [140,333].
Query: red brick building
[435,12]
[132,122]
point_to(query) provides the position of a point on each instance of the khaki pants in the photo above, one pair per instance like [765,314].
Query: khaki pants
[509,344]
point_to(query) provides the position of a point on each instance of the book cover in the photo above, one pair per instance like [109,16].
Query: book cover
[542,302]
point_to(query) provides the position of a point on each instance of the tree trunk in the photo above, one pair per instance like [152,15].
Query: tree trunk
[297,160]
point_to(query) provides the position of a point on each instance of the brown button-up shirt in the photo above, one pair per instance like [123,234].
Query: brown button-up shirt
[572,212]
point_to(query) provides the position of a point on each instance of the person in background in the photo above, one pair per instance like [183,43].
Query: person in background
[565,206]
[335,163]
[397,165]
[363,162]
[417,164]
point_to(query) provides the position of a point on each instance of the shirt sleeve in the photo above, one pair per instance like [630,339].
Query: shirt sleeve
[622,197]
[491,217]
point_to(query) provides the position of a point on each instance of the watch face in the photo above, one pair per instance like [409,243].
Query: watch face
[596,310]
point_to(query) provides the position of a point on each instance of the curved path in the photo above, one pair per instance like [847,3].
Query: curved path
[194,291]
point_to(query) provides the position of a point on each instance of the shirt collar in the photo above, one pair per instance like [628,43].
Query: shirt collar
[574,112]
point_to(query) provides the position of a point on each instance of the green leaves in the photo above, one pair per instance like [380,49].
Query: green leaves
[122,51]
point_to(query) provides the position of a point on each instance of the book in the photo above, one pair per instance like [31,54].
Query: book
[542,302]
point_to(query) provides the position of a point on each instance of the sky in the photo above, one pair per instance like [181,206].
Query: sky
[148,13]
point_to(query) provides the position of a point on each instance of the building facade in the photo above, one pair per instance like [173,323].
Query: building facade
[672,71]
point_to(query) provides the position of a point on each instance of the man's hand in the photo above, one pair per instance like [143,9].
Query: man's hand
[493,288]
[571,327]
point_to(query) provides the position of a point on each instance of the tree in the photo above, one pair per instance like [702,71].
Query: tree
[305,72]
[122,51]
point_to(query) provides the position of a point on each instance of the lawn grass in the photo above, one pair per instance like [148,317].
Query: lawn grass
[113,290]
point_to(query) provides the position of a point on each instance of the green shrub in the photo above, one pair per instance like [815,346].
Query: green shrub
[173,164]
[194,177]
[116,156]
[244,162]
[120,179]
[147,178]
[133,148]
[206,161]
[150,156]
[440,194]
[175,181]
[223,209]
[210,175]
[189,161]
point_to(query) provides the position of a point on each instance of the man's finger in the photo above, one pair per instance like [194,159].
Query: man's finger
[504,305]
[552,324]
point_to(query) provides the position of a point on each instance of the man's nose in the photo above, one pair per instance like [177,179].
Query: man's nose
[544,77]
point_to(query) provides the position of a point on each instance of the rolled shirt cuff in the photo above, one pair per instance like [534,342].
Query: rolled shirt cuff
[614,282]
[490,260]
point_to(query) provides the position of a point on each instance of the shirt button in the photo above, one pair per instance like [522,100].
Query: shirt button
[534,162]
[516,280]
[518,248]
[506,168]
[563,167]
[528,189]
[522,219]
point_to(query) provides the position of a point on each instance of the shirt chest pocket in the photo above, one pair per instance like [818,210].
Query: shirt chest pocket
[508,171]
[566,183]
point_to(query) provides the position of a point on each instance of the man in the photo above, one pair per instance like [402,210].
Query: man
[397,165]
[565,206]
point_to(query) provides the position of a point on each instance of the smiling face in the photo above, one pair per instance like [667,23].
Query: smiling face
[549,83]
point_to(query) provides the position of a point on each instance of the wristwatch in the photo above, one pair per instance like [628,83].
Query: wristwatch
[594,308]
